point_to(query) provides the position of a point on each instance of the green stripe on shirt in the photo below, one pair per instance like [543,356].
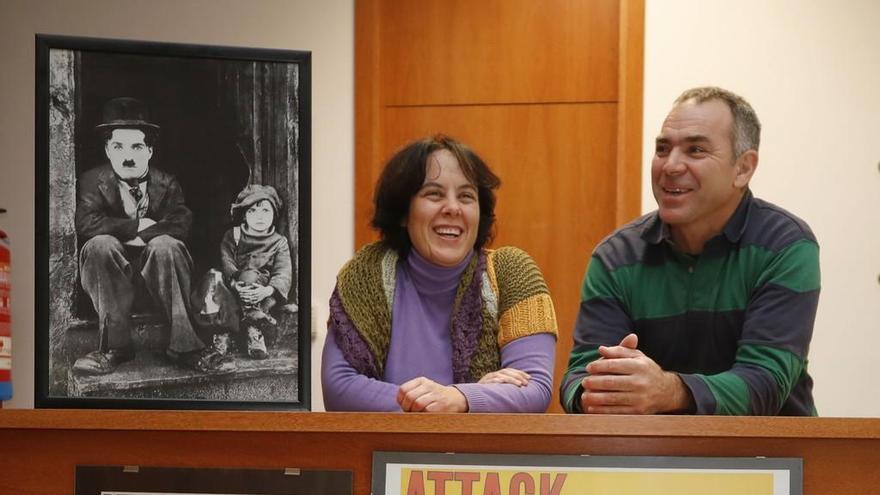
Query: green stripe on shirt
[797,270]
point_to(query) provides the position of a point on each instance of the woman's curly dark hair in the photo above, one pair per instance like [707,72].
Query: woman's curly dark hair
[403,177]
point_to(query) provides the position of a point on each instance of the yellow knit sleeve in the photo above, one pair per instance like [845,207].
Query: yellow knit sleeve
[525,306]
[532,315]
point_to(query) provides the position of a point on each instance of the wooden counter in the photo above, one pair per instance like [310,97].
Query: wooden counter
[42,447]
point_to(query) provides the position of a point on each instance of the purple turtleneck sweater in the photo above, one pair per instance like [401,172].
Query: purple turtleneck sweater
[421,346]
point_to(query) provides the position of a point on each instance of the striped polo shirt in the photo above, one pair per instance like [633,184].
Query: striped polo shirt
[734,322]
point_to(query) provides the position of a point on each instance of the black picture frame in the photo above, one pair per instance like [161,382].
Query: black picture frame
[131,480]
[228,117]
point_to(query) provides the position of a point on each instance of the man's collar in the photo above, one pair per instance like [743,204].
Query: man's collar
[133,182]
[655,231]
[736,224]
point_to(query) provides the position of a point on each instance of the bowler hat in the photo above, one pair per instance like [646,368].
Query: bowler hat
[126,111]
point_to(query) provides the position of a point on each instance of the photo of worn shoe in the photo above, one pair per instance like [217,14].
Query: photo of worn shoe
[258,316]
[220,343]
[206,360]
[256,345]
[102,363]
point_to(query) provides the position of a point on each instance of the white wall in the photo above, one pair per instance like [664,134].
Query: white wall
[811,70]
[325,28]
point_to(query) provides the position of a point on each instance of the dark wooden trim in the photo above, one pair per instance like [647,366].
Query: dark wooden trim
[482,424]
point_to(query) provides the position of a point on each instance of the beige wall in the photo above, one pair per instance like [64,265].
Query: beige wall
[325,28]
[812,72]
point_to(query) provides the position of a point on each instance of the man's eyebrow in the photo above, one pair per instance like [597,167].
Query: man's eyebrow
[696,138]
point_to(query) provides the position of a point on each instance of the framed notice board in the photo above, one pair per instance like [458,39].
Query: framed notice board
[405,473]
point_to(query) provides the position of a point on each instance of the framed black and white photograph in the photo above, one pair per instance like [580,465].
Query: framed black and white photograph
[172,225]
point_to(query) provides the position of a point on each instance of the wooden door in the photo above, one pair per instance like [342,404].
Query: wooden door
[547,92]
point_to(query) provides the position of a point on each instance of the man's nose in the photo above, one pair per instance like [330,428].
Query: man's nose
[674,163]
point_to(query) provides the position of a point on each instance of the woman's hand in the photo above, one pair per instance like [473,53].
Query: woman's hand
[507,375]
[425,395]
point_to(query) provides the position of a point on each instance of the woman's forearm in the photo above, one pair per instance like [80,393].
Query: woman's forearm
[533,354]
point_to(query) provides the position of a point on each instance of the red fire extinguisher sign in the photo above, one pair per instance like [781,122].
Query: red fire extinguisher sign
[5,329]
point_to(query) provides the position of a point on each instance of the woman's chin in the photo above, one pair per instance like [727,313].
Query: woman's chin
[446,255]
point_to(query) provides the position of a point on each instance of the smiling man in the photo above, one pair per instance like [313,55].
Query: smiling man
[706,305]
[132,222]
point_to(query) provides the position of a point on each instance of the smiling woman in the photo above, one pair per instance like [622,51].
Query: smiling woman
[427,319]
[444,215]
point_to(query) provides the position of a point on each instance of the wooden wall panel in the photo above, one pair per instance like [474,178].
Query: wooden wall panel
[548,92]
[498,51]
[367,122]
[629,110]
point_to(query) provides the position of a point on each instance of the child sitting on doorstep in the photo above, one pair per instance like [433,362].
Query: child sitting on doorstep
[255,261]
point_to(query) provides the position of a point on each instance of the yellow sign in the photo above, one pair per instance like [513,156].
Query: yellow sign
[473,474]
[569,482]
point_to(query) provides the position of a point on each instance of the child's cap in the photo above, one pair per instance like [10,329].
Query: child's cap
[253,193]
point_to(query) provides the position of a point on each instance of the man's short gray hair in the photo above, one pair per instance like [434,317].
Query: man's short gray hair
[746,126]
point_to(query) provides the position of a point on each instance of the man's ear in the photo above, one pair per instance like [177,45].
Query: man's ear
[745,168]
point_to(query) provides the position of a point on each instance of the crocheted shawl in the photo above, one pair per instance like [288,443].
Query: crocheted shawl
[361,310]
